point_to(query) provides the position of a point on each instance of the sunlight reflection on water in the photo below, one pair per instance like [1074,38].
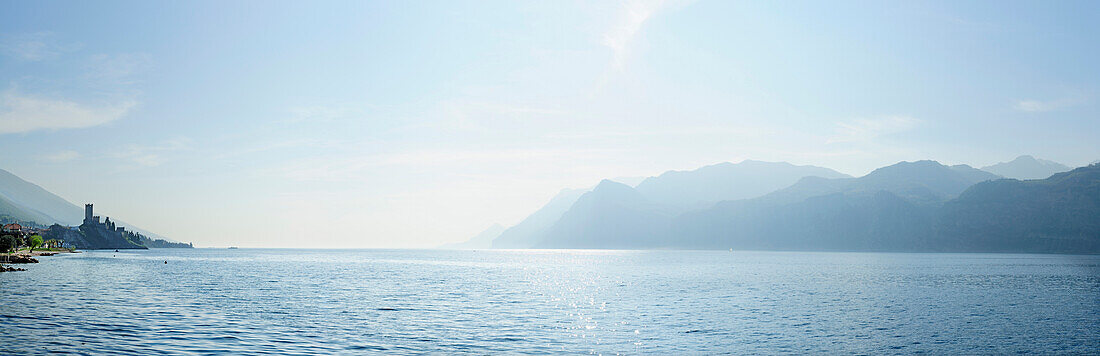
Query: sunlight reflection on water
[339,301]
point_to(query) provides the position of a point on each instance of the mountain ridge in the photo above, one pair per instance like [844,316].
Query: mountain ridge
[907,206]
[1026,167]
[19,197]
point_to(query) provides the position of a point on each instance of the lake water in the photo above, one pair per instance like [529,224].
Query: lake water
[662,302]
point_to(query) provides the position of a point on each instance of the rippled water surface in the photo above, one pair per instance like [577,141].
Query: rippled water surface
[412,301]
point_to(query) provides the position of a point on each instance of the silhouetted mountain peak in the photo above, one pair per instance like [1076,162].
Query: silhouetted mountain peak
[906,168]
[612,191]
[530,230]
[701,187]
[974,174]
[923,182]
[1026,167]
[610,184]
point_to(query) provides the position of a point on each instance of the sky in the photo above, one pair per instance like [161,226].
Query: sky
[412,124]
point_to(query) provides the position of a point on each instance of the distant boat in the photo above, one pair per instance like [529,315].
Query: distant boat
[232,247]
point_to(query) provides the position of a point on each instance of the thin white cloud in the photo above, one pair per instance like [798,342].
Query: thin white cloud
[357,167]
[117,70]
[699,131]
[471,114]
[24,113]
[62,156]
[632,15]
[33,47]
[1042,106]
[152,155]
[324,113]
[863,130]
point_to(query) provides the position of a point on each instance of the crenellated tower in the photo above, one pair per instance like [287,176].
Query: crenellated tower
[87,214]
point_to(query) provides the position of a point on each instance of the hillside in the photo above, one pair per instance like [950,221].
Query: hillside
[21,200]
[1027,167]
[1057,214]
[613,215]
[529,231]
[660,197]
[909,206]
[726,181]
[889,209]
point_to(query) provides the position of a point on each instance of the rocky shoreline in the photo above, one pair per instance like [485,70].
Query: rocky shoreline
[24,258]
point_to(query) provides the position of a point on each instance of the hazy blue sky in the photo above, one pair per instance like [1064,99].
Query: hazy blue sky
[405,124]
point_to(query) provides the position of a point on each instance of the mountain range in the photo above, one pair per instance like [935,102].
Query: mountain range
[573,214]
[908,206]
[25,202]
[1026,167]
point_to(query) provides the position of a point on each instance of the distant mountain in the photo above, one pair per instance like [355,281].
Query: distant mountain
[613,215]
[858,220]
[530,230]
[630,181]
[974,174]
[27,201]
[726,181]
[889,209]
[1057,214]
[909,206]
[1027,167]
[10,212]
[482,240]
[920,182]
[895,209]
[657,198]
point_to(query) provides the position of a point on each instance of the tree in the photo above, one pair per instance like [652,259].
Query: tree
[34,241]
[7,243]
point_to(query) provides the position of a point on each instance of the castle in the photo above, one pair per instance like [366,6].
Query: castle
[91,220]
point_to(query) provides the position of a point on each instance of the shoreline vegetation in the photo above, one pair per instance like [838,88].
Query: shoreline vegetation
[27,256]
[27,209]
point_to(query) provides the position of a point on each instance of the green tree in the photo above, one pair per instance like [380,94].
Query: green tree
[34,241]
[7,243]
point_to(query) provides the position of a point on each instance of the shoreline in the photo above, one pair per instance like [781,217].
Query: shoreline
[26,257]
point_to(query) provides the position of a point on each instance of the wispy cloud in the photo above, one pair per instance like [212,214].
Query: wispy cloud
[357,167]
[24,113]
[117,70]
[477,115]
[152,155]
[62,156]
[632,15]
[734,131]
[863,130]
[1042,106]
[32,47]
[325,113]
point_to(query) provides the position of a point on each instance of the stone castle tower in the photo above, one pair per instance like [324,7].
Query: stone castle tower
[89,218]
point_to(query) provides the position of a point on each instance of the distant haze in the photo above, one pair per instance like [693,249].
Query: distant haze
[1027,167]
[418,124]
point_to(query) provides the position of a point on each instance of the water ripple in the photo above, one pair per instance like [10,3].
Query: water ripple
[462,302]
